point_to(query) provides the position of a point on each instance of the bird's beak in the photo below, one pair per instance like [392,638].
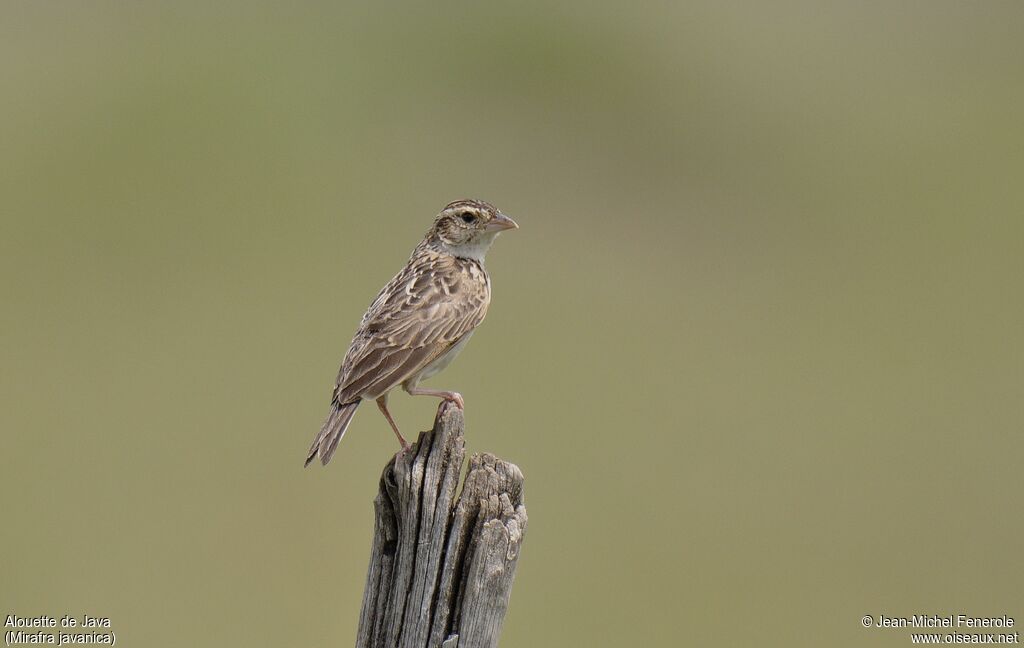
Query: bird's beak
[500,222]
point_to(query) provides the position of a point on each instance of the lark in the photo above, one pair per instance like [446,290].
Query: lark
[420,320]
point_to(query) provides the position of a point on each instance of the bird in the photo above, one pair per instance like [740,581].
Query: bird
[419,321]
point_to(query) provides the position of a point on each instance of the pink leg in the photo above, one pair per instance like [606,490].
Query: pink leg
[382,403]
[454,397]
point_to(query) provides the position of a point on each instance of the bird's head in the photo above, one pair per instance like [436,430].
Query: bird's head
[466,228]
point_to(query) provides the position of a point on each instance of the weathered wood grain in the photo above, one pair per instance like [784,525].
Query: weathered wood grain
[441,569]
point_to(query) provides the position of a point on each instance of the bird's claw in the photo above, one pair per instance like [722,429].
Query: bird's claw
[456,397]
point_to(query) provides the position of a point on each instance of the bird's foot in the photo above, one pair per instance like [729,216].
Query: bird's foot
[455,397]
[445,396]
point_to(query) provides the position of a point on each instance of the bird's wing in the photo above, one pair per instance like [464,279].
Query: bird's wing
[417,317]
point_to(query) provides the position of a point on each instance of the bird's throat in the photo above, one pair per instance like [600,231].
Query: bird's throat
[475,249]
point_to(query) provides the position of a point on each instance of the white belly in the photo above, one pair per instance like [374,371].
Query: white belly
[441,362]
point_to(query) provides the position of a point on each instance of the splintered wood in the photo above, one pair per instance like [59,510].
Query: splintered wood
[441,567]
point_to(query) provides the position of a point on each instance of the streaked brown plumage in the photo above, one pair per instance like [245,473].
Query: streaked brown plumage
[420,320]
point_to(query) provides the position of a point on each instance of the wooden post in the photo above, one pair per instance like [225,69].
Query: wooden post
[441,568]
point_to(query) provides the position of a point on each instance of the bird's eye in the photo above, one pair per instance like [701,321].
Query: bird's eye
[467,217]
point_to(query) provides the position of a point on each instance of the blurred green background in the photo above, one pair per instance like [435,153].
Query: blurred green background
[757,345]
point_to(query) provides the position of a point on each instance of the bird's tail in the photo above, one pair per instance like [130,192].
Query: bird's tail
[330,434]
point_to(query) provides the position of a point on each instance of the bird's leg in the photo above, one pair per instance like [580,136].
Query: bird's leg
[382,403]
[454,397]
